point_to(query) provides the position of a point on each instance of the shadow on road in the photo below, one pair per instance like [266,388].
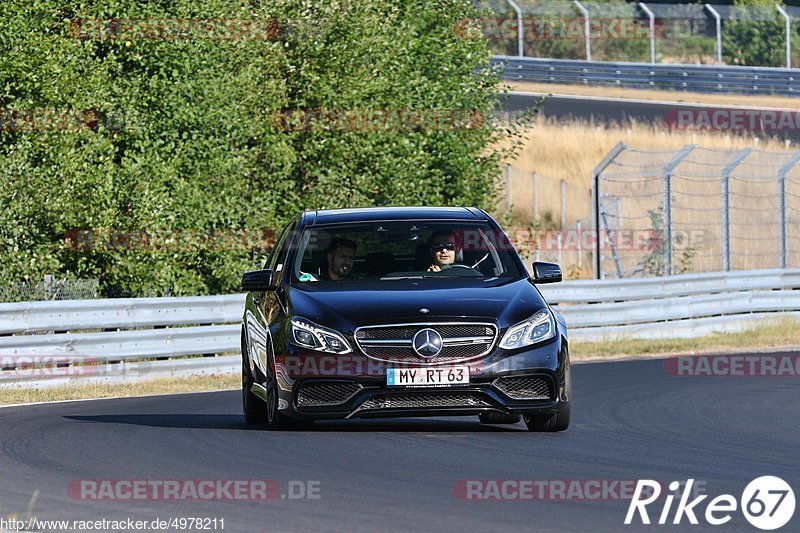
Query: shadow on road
[236,422]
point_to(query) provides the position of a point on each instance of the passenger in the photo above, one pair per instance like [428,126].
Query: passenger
[341,257]
[443,249]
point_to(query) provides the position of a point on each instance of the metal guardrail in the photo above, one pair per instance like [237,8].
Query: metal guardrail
[69,315]
[134,332]
[697,78]
[688,305]
[627,289]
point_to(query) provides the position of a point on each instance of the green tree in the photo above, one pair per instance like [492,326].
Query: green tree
[748,40]
[185,135]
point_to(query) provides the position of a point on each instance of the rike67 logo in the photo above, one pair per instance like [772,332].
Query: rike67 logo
[767,503]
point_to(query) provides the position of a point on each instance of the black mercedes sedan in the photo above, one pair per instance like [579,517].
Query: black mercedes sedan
[401,312]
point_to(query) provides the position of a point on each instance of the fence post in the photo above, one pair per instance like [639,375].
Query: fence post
[782,204]
[508,186]
[520,39]
[726,206]
[563,203]
[559,241]
[652,18]
[788,34]
[596,204]
[719,32]
[49,286]
[667,219]
[580,245]
[585,13]
[535,196]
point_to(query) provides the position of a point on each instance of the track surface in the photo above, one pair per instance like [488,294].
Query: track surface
[607,111]
[631,420]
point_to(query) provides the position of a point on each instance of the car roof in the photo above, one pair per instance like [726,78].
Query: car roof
[371,214]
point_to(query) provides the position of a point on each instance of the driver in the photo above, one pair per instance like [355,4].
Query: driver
[341,257]
[443,249]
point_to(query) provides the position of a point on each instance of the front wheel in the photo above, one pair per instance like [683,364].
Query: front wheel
[277,421]
[554,422]
[255,410]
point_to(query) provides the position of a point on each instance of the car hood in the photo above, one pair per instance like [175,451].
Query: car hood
[346,307]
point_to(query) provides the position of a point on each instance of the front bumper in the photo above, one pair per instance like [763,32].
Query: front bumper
[527,381]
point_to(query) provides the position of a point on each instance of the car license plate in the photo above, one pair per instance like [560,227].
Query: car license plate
[427,377]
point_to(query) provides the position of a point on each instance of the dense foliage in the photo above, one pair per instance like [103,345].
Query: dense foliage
[160,160]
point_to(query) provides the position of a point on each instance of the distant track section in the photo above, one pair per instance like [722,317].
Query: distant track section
[719,79]
[765,122]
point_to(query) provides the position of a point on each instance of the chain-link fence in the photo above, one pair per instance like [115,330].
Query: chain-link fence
[663,212]
[615,30]
[549,217]
[51,288]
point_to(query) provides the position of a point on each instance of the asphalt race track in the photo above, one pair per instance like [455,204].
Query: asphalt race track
[631,420]
[606,111]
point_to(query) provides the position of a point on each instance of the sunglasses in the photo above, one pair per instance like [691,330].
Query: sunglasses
[443,246]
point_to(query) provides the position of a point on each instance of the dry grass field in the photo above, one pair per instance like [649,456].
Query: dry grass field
[569,151]
[21,395]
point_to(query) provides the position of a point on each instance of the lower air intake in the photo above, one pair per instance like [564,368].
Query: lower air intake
[319,394]
[525,387]
[424,401]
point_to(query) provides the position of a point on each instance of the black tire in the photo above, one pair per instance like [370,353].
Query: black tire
[277,421]
[254,408]
[498,418]
[554,422]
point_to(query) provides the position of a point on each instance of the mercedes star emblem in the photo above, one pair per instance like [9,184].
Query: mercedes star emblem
[427,343]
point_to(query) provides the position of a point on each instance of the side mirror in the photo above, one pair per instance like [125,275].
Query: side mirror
[258,281]
[546,272]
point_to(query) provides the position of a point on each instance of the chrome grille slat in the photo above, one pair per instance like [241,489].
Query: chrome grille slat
[461,341]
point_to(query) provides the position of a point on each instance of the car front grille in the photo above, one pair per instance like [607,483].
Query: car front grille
[525,387]
[424,401]
[393,343]
[317,394]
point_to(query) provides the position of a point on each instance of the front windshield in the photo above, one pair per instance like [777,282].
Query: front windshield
[385,251]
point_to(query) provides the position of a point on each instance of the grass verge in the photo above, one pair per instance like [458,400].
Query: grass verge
[783,333]
[9,396]
[660,95]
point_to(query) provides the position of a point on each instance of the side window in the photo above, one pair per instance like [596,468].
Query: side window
[278,250]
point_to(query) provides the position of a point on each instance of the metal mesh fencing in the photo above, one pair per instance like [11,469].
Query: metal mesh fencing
[696,210]
[51,289]
[550,219]
[617,30]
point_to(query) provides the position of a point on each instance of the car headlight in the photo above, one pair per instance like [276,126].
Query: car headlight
[309,335]
[537,328]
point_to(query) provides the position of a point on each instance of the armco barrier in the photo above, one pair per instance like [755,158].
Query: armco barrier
[124,336]
[696,78]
